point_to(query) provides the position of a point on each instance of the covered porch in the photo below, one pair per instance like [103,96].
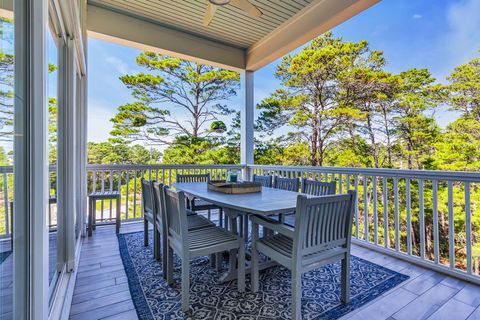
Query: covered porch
[102,292]
[403,221]
[436,286]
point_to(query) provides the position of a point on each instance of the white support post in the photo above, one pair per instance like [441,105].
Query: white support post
[82,156]
[247,121]
[70,148]
[30,243]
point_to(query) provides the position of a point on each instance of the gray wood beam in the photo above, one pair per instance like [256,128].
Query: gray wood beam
[315,19]
[139,33]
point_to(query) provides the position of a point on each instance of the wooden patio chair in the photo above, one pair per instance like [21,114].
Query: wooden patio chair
[318,188]
[290,184]
[322,235]
[195,243]
[198,204]
[266,181]
[147,208]
[314,188]
[160,232]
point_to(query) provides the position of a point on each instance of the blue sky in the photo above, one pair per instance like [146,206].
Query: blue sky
[433,34]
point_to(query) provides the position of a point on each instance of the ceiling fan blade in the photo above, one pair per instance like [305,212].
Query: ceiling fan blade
[209,14]
[246,6]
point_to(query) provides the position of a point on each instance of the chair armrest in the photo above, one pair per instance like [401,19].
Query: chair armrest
[274,225]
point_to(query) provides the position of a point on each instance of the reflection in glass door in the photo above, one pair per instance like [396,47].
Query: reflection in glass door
[52,218]
[6,159]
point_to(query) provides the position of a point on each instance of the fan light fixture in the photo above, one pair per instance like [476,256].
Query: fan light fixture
[219,2]
[243,5]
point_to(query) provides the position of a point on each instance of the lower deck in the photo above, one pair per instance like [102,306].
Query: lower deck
[102,292]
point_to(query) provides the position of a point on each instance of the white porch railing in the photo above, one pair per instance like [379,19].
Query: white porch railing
[418,215]
[421,216]
[6,201]
[126,178]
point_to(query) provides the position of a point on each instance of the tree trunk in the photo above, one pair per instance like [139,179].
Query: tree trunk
[320,153]
[428,239]
[409,156]
[388,135]
[195,113]
[313,148]
[314,142]
[371,134]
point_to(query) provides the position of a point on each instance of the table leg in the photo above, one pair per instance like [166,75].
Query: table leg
[90,217]
[232,272]
[94,214]
[245,228]
[220,217]
[118,220]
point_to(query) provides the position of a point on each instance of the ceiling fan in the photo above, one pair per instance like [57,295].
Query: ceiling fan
[244,5]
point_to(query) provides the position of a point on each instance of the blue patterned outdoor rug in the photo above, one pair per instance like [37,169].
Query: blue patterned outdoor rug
[209,299]
[4,255]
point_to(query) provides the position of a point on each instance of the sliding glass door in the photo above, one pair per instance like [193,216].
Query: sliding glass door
[7,158]
[41,201]
[56,259]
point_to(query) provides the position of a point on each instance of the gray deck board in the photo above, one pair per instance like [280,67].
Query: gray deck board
[452,307]
[102,291]
[475,315]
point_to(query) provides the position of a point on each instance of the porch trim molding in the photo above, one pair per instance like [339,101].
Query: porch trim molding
[315,19]
[141,33]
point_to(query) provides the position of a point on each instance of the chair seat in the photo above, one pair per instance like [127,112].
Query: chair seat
[209,237]
[198,222]
[284,246]
[279,243]
[200,204]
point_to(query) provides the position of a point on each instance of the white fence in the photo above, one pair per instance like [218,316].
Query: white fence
[427,217]
[422,216]
[126,178]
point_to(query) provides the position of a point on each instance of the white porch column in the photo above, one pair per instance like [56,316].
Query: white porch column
[247,120]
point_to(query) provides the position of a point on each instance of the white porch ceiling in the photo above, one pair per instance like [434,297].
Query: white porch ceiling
[230,26]
[233,39]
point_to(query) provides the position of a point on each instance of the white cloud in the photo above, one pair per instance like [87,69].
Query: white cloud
[118,64]
[417,16]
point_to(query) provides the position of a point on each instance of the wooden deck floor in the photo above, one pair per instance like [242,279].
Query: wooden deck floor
[101,290]
[6,274]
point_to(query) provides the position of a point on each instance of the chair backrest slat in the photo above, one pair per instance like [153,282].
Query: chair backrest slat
[159,204]
[188,178]
[318,188]
[266,181]
[323,222]
[290,184]
[147,196]
[176,215]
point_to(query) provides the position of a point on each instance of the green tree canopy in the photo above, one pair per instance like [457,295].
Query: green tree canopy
[120,153]
[175,100]
[465,89]
[322,87]
[416,130]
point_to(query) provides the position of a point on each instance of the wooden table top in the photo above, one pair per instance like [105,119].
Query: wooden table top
[268,202]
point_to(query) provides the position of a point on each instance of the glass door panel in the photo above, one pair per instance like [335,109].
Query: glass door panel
[6,160]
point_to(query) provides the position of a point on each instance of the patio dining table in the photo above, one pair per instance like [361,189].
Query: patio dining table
[268,202]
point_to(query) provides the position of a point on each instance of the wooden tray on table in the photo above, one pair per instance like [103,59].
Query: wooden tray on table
[234,187]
